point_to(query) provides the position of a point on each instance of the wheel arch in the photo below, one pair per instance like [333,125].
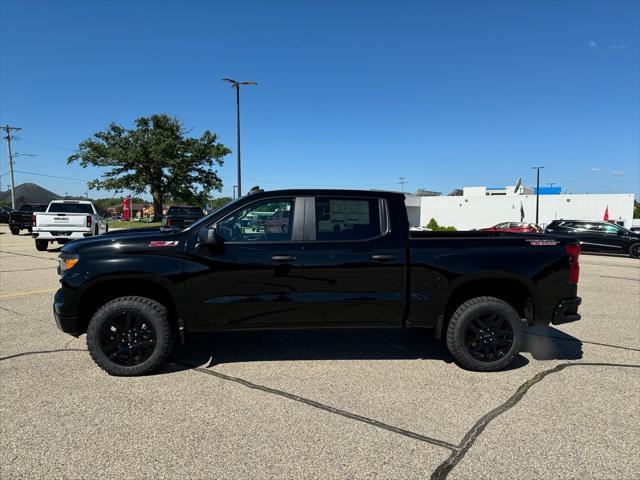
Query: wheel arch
[514,291]
[106,289]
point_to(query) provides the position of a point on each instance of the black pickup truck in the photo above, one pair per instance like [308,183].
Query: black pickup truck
[178,217]
[343,259]
[22,218]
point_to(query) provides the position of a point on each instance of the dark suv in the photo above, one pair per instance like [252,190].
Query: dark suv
[597,236]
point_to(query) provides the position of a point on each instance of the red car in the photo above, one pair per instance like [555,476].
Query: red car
[516,227]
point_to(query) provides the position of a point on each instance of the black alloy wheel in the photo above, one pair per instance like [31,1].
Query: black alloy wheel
[485,334]
[489,337]
[127,339]
[130,336]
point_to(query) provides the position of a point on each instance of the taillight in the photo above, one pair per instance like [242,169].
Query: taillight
[33,219]
[168,221]
[89,219]
[574,263]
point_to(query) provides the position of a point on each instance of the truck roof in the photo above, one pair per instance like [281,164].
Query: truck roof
[324,191]
[72,201]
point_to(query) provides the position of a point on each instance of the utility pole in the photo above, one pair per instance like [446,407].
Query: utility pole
[235,84]
[8,129]
[402,182]
[537,191]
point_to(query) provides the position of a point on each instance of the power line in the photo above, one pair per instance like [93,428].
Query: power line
[52,176]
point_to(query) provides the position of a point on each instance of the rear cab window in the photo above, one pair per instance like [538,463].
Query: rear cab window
[71,208]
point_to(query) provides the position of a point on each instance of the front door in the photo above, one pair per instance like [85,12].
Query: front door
[353,265]
[252,277]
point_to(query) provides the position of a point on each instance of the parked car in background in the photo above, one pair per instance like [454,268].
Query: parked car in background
[66,220]
[599,236]
[514,227]
[22,219]
[635,229]
[178,217]
[4,213]
[343,258]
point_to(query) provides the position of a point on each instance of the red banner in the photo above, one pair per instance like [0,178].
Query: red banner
[126,208]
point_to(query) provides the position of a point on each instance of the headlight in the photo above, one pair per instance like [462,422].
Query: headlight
[68,262]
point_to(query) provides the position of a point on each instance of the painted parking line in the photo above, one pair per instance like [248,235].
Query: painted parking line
[30,292]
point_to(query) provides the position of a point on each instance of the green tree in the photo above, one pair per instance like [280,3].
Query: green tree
[433,225]
[636,209]
[155,156]
[219,202]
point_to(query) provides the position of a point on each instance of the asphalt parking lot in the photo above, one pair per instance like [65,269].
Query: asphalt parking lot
[329,404]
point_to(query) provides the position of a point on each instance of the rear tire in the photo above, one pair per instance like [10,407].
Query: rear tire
[41,245]
[130,336]
[634,250]
[485,334]
[15,231]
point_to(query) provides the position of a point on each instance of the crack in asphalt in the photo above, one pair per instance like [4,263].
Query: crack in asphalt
[621,278]
[472,435]
[457,451]
[575,340]
[27,269]
[41,352]
[10,311]
[326,408]
[27,255]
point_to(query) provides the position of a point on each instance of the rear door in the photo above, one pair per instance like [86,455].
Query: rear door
[593,236]
[353,265]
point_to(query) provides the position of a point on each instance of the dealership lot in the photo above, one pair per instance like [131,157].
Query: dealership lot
[329,404]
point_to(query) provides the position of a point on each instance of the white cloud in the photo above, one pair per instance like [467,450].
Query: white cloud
[617,173]
[594,169]
[593,44]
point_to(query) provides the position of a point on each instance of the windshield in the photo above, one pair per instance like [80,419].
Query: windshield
[71,208]
[203,220]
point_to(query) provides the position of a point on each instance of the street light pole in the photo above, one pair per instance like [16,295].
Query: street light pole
[235,84]
[537,191]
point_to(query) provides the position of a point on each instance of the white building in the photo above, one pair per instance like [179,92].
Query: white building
[480,207]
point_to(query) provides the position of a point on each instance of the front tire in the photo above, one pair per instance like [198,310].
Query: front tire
[130,336]
[634,250]
[485,334]
[41,245]
[15,231]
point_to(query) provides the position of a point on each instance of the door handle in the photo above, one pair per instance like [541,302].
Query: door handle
[383,258]
[283,258]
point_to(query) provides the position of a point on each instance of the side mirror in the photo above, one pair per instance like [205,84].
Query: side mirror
[621,233]
[208,236]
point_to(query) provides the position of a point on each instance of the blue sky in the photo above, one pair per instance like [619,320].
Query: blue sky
[350,94]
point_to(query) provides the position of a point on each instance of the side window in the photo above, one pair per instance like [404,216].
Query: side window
[264,221]
[603,227]
[347,218]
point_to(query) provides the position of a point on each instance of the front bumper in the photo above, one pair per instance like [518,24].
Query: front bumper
[67,323]
[566,311]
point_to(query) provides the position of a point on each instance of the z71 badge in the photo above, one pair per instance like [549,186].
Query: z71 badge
[163,243]
[542,243]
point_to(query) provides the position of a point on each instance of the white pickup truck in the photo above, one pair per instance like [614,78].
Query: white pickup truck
[66,220]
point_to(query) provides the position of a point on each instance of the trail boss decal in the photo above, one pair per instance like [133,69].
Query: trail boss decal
[543,243]
[163,243]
